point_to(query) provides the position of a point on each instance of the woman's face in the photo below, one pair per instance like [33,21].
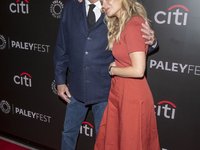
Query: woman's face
[111,7]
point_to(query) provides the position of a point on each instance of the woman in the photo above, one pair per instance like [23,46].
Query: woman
[129,121]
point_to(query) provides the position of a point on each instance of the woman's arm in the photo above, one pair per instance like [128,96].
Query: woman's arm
[138,60]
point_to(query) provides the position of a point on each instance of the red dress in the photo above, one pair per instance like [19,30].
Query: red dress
[129,121]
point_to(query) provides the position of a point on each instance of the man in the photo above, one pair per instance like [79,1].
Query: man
[81,48]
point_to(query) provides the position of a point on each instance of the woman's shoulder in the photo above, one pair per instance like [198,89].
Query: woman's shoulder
[136,21]
[134,25]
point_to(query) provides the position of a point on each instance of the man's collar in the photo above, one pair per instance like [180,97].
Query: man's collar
[98,4]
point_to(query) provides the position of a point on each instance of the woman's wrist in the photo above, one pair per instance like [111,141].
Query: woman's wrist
[109,70]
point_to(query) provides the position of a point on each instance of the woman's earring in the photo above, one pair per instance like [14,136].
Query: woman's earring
[102,10]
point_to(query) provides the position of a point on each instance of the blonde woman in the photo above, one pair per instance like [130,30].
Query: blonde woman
[129,121]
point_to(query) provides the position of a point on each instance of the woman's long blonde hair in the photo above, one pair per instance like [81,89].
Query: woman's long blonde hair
[115,26]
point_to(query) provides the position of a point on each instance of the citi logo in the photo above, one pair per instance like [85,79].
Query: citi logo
[19,7]
[166,109]
[86,128]
[23,79]
[180,18]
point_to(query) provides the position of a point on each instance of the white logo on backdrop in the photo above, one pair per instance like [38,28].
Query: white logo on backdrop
[168,110]
[175,67]
[56,8]
[53,87]
[19,7]
[2,42]
[86,129]
[23,79]
[30,46]
[180,18]
[33,115]
[5,106]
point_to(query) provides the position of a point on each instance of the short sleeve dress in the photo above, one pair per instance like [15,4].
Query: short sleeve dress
[129,121]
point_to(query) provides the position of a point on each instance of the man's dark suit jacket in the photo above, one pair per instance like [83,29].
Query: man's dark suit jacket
[84,53]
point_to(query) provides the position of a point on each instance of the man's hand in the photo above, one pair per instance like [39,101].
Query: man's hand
[63,92]
[150,34]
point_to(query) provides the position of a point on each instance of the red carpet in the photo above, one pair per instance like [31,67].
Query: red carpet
[4,145]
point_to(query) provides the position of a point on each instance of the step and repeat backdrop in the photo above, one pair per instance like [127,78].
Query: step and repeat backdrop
[29,106]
